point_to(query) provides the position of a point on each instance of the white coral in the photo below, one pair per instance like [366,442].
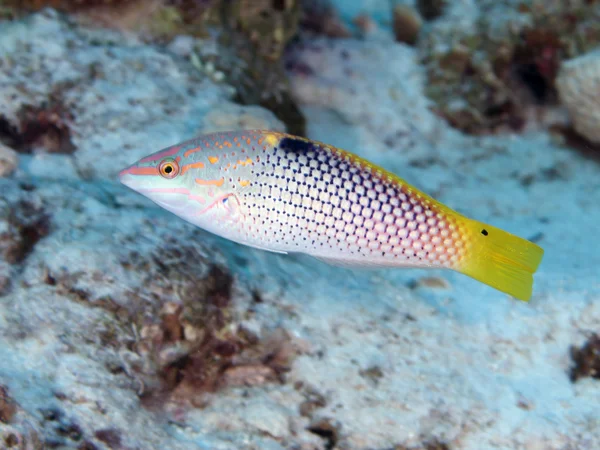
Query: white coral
[8,160]
[578,84]
[378,85]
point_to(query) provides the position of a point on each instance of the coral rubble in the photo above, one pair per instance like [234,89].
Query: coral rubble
[586,359]
[371,83]
[407,24]
[578,84]
[252,36]
[486,68]
[8,160]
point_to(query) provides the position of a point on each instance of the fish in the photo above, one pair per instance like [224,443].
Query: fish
[289,194]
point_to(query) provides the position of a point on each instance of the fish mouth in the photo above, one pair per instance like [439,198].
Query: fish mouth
[126,178]
[127,175]
[133,176]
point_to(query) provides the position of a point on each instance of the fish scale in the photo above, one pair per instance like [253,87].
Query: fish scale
[285,193]
[309,198]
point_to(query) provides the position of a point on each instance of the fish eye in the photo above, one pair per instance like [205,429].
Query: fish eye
[168,168]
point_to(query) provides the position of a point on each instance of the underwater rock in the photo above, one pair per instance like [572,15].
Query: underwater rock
[319,17]
[230,116]
[252,44]
[8,160]
[489,64]
[253,79]
[431,9]
[252,37]
[578,84]
[8,408]
[119,313]
[158,19]
[27,223]
[407,24]
[69,5]
[155,323]
[268,25]
[586,359]
[81,97]
[43,128]
[328,430]
[376,84]
[18,430]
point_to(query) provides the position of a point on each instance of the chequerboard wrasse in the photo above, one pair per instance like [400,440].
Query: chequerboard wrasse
[288,194]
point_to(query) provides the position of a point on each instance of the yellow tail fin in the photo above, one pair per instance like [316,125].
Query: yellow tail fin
[502,260]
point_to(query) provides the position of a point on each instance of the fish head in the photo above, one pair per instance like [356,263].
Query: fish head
[181,182]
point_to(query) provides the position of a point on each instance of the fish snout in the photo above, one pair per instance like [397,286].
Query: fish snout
[126,178]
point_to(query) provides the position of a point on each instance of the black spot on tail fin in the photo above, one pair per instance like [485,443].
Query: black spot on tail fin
[296,145]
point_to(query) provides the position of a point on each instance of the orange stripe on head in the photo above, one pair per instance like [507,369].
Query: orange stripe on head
[142,171]
[192,150]
[162,154]
[202,182]
[197,165]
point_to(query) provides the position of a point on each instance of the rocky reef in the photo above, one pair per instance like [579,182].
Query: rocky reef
[501,58]
[249,37]
[122,327]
